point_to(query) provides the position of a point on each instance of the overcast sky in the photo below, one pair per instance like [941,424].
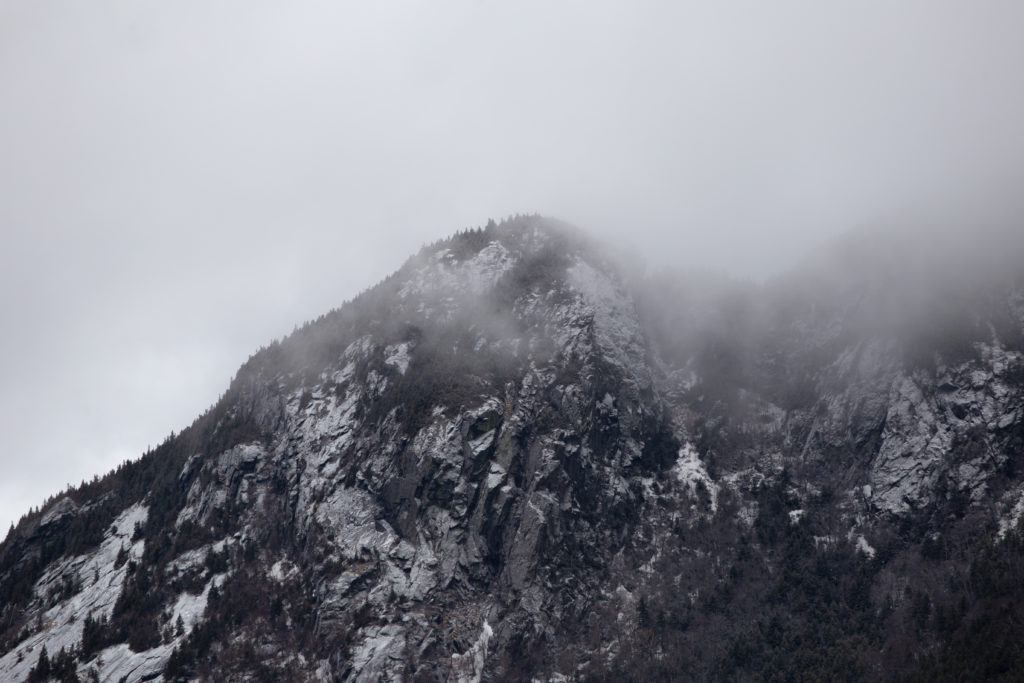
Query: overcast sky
[181,182]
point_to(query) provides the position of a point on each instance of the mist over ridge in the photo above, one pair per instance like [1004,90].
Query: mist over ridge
[183,183]
[524,432]
[741,395]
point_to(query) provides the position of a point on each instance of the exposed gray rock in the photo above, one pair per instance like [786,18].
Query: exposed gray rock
[500,465]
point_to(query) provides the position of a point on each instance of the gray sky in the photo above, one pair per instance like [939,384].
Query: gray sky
[181,182]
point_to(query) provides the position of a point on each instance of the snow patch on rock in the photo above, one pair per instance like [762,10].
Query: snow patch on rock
[65,507]
[468,667]
[442,278]
[482,442]
[913,446]
[1010,521]
[191,607]
[101,585]
[690,471]
[397,356]
[379,656]
[282,570]
[353,514]
[614,314]
[119,663]
[864,547]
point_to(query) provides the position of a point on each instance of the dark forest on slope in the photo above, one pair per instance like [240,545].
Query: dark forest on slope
[516,458]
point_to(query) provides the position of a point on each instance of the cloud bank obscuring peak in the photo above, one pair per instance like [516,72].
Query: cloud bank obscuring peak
[184,181]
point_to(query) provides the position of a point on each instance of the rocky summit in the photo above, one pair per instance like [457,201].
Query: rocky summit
[517,458]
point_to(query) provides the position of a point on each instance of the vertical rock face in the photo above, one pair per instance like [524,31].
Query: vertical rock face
[509,460]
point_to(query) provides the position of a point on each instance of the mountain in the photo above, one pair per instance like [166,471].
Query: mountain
[516,458]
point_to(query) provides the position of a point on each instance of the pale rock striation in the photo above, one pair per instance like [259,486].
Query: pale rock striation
[504,463]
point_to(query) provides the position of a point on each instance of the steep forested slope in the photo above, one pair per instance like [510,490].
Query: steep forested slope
[514,458]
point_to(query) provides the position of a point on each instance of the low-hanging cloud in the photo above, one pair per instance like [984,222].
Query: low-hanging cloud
[184,181]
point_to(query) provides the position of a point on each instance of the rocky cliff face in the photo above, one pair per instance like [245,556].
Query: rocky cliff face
[511,461]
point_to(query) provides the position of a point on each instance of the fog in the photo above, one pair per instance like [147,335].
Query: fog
[182,182]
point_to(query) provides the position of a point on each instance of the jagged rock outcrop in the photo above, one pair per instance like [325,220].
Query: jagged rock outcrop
[513,460]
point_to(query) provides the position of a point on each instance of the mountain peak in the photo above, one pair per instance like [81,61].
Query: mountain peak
[506,461]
